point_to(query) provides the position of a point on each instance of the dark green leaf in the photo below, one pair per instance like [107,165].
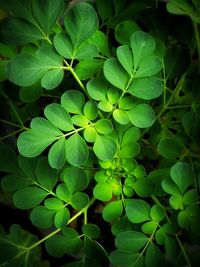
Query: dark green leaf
[144,187]
[61,217]
[112,211]
[29,197]
[30,94]
[7,156]
[154,257]
[79,200]
[104,147]
[81,22]
[121,257]
[169,148]
[137,210]
[77,150]
[115,73]
[124,30]
[91,230]
[42,217]
[88,68]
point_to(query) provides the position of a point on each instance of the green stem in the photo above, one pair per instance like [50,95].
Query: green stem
[164,84]
[11,134]
[10,123]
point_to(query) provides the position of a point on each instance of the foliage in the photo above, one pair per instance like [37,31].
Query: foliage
[103,97]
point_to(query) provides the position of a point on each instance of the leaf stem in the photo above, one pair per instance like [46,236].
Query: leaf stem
[196,32]
[10,134]
[10,123]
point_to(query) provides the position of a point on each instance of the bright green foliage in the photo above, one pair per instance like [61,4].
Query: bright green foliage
[114,145]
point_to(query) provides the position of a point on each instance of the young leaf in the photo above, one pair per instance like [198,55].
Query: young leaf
[131,240]
[137,210]
[141,116]
[182,175]
[90,134]
[77,150]
[73,101]
[75,179]
[130,150]
[121,116]
[105,106]
[81,22]
[57,154]
[146,88]
[104,147]
[29,197]
[125,57]
[80,120]
[91,230]
[102,191]
[149,227]
[90,110]
[115,73]
[112,211]
[143,45]
[42,217]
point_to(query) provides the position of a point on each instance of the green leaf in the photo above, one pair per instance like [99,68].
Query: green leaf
[115,73]
[131,241]
[137,210]
[90,110]
[46,12]
[149,227]
[29,197]
[27,166]
[169,148]
[148,67]
[22,32]
[102,191]
[154,256]
[160,236]
[157,213]
[79,200]
[112,211]
[73,101]
[91,230]
[31,144]
[62,192]
[183,219]
[113,95]
[53,203]
[45,175]
[41,217]
[121,225]
[26,69]
[89,134]
[190,197]
[44,128]
[139,171]
[86,51]
[121,116]
[144,187]
[81,22]
[141,116]
[126,102]
[176,202]
[13,182]
[170,187]
[103,126]
[105,9]
[146,88]
[182,174]
[130,150]
[80,120]
[99,39]
[97,88]
[59,117]
[30,94]
[63,45]
[75,179]
[52,79]
[61,217]
[88,68]
[143,45]
[124,30]
[132,134]
[67,242]
[125,57]
[77,150]
[57,154]
[105,106]
[104,147]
